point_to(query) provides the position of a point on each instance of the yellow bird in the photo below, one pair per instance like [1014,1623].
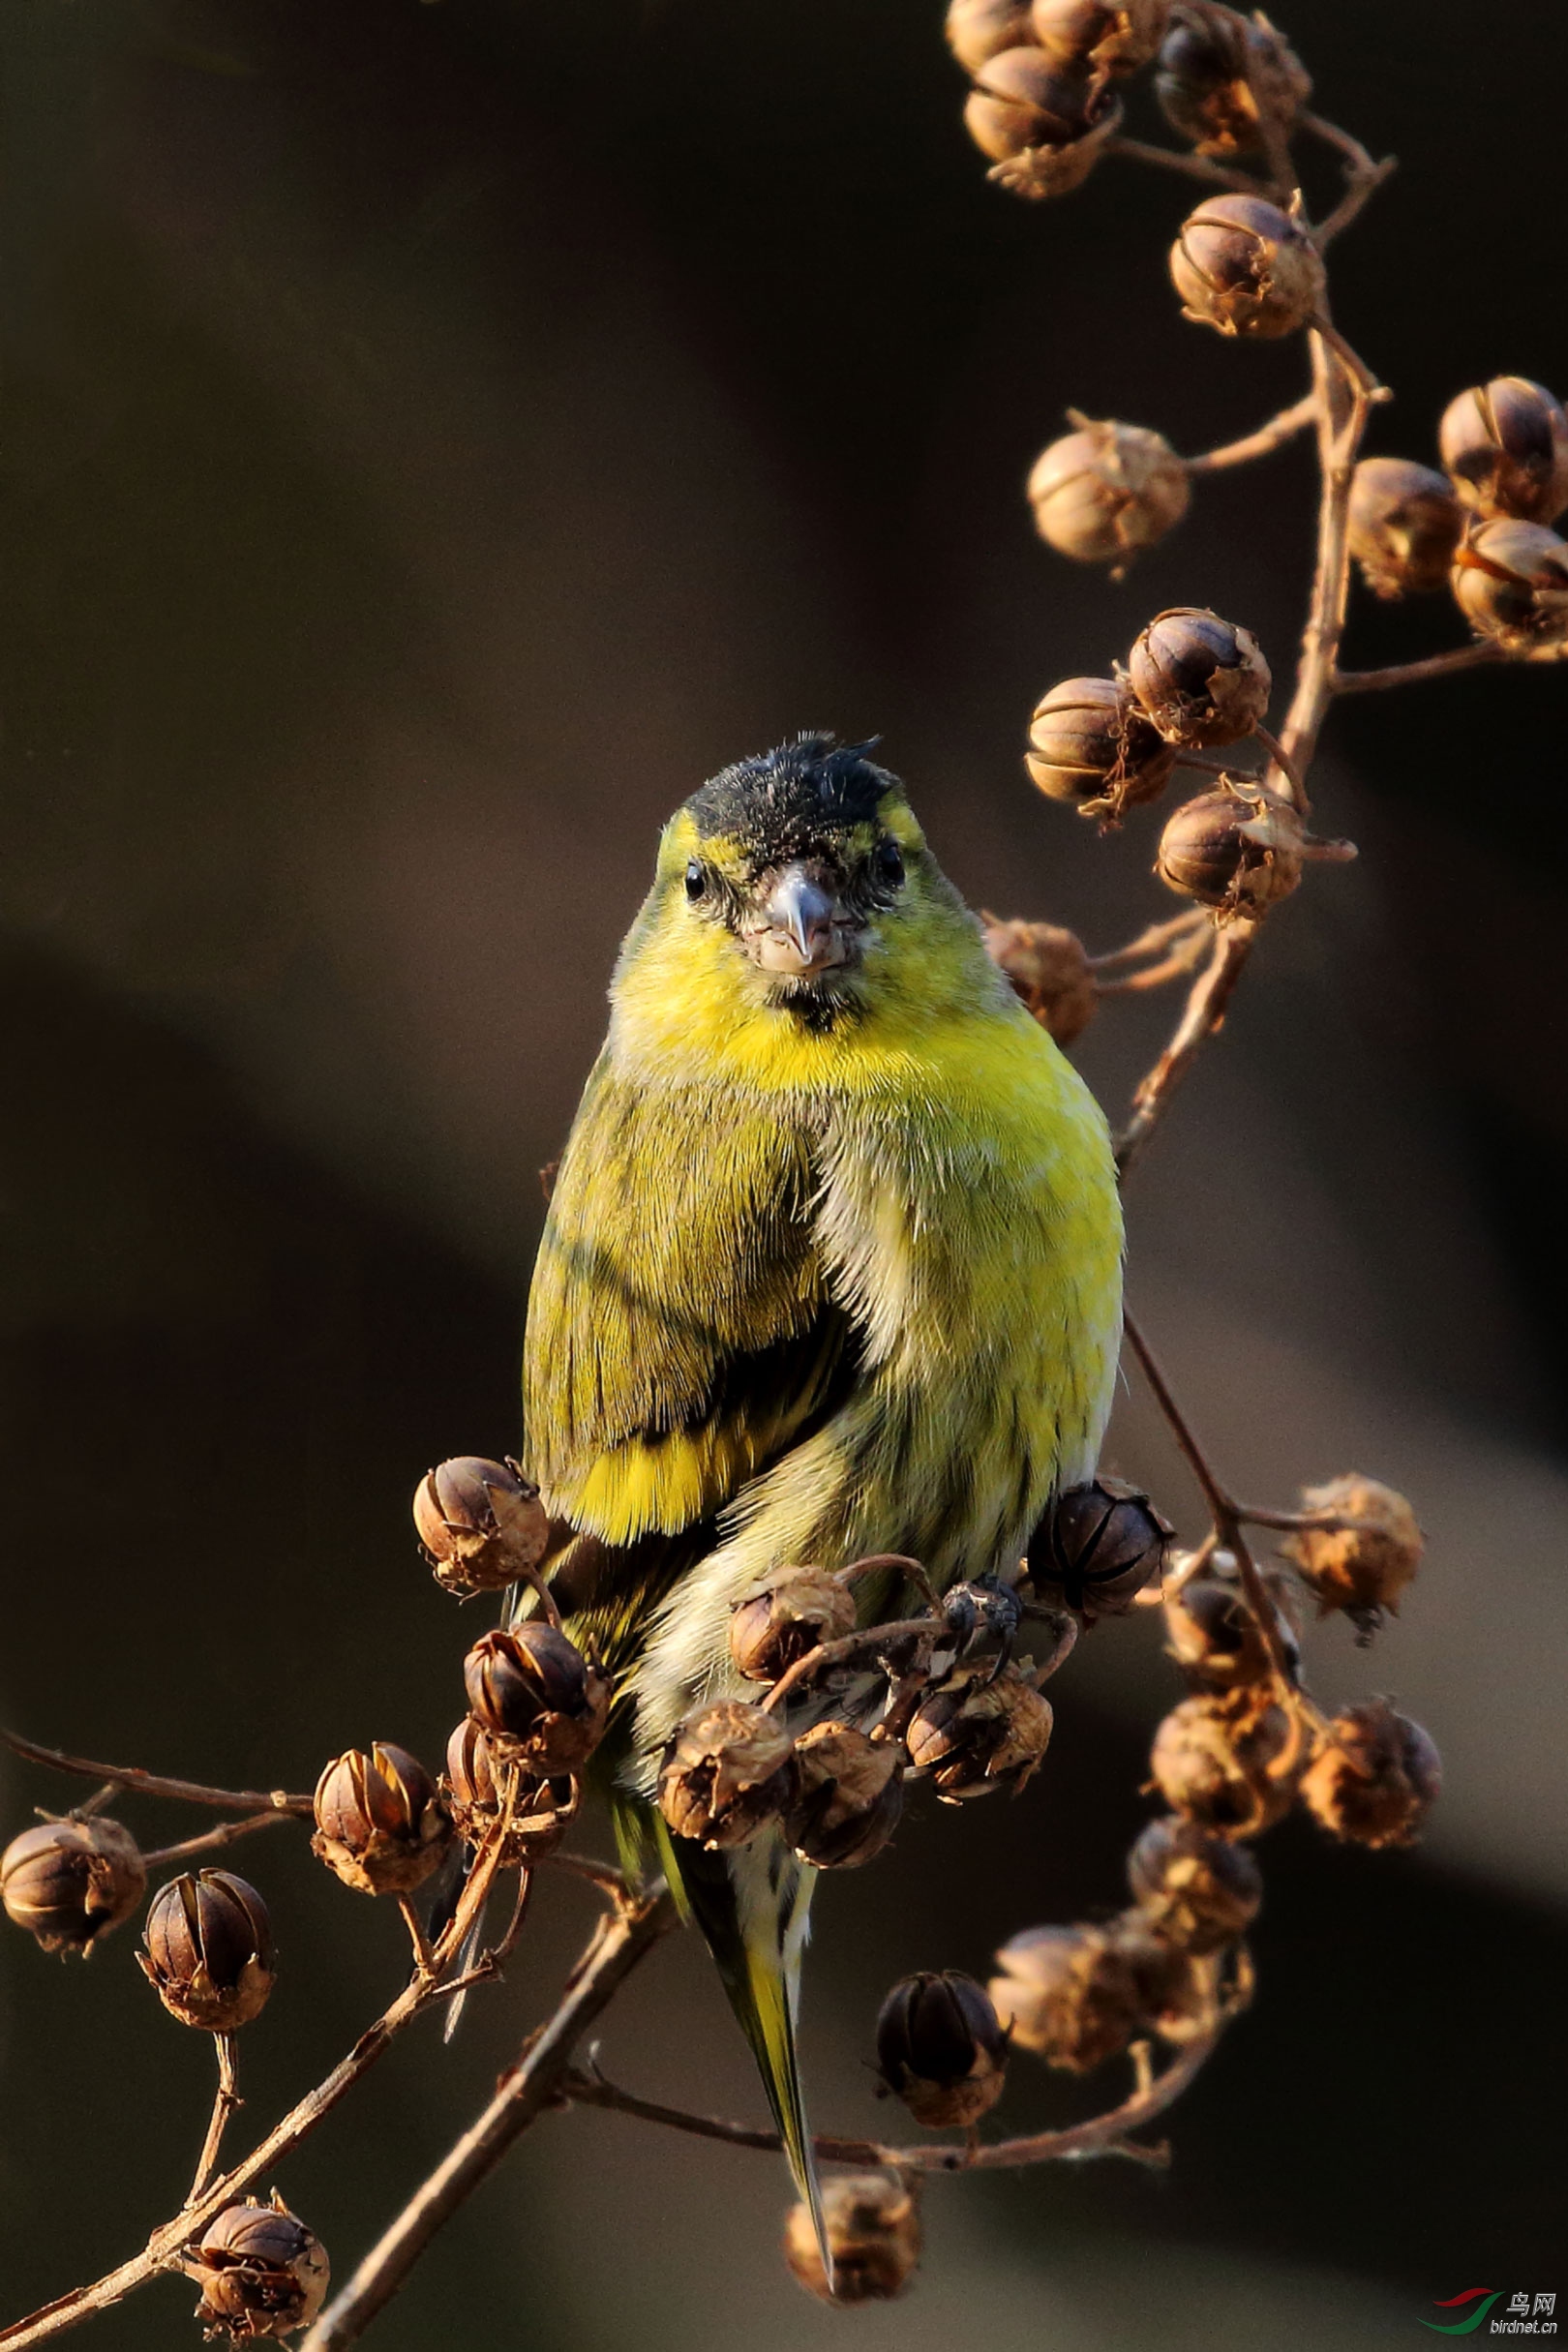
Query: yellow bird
[833,1267]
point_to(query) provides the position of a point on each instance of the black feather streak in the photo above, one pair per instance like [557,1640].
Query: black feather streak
[792,799]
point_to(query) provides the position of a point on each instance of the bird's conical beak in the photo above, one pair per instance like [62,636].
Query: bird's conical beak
[803,927]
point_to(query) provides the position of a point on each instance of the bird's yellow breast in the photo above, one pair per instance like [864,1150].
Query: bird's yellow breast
[965,1215]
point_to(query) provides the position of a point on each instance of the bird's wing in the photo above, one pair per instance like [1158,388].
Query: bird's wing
[680,1333]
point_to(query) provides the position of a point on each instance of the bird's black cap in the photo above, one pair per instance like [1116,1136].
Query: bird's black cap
[783,802]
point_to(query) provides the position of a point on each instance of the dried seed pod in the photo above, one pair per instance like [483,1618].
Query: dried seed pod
[1373,1777]
[1220,80]
[980,29]
[1227,1767]
[261,2271]
[772,1627]
[872,2223]
[209,1950]
[1510,580]
[850,1797]
[1203,682]
[1075,1996]
[940,2047]
[1506,445]
[981,1731]
[542,1810]
[1092,743]
[481,1524]
[538,1700]
[1215,1640]
[1099,1544]
[1187,1991]
[1361,1570]
[726,1769]
[1238,850]
[1404,525]
[1050,968]
[1110,38]
[1242,266]
[69,1882]
[1195,1889]
[1044,125]
[1101,493]
[380,1826]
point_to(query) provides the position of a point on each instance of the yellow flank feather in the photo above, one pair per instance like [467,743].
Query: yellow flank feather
[832,1266]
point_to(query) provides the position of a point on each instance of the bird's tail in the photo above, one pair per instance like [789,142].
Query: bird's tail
[752,1904]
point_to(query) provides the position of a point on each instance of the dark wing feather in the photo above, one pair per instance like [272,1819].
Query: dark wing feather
[681,1335]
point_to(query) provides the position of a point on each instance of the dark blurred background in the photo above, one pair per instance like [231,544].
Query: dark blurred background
[431,440]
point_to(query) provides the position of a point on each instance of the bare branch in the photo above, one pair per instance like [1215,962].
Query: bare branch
[1153,940]
[535,2084]
[1222,1508]
[611,1882]
[1191,167]
[1417,673]
[209,1841]
[1201,1016]
[1286,766]
[162,2250]
[1101,2135]
[1341,398]
[1254,1515]
[1364,176]
[1270,437]
[223,2107]
[850,1645]
[154,1784]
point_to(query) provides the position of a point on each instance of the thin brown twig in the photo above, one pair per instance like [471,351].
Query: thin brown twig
[223,2107]
[886,1563]
[1364,176]
[1282,759]
[1191,166]
[1417,673]
[91,1805]
[1152,976]
[535,2084]
[1187,940]
[836,1653]
[1151,940]
[588,2087]
[1202,1015]
[497,1958]
[1176,1579]
[1350,359]
[1342,403]
[1270,437]
[424,1957]
[1358,157]
[1344,407]
[162,2250]
[1101,2135]
[1256,1514]
[157,1784]
[1222,1508]
[210,1840]
[610,1882]
[1063,1641]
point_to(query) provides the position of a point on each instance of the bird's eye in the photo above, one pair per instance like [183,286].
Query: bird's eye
[891,861]
[696,879]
